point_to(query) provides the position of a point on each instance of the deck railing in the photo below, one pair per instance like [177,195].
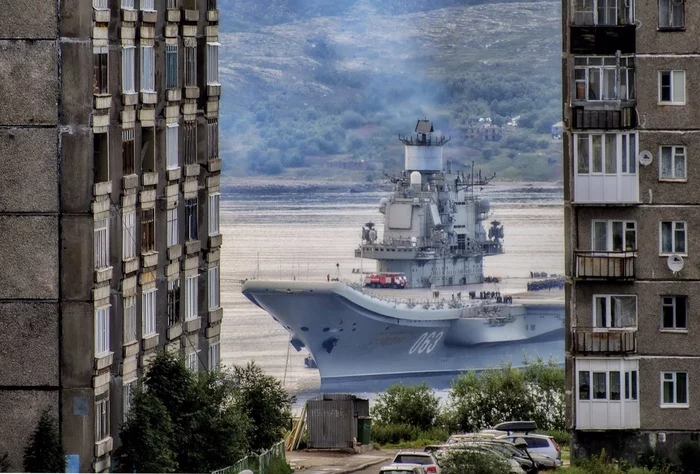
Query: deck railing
[605,265]
[258,463]
[587,340]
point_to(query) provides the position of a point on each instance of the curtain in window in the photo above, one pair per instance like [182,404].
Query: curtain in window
[599,388]
[584,385]
[679,162]
[582,145]
[600,236]
[611,153]
[623,311]
[601,309]
[614,385]
[666,237]
[597,153]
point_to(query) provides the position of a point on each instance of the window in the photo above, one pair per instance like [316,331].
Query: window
[173,229]
[148,63]
[673,238]
[100,155]
[128,235]
[191,218]
[619,311]
[215,356]
[171,79]
[102,419]
[100,4]
[609,153]
[173,4]
[614,236]
[603,12]
[171,146]
[190,141]
[148,149]
[615,393]
[173,302]
[213,138]
[672,163]
[128,4]
[191,66]
[128,163]
[631,385]
[148,313]
[673,312]
[211,4]
[671,14]
[128,78]
[674,388]
[584,385]
[101,243]
[214,297]
[213,63]
[100,70]
[596,78]
[101,331]
[599,386]
[128,395]
[130,319]
[148,231]
[672,87]
[191,297]
[214,214]
[148,5]
[192,361]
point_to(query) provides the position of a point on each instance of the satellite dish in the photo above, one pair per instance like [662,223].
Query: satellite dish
[675,263]
[645,158]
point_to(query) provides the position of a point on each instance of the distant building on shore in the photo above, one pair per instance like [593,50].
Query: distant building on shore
[484,130]
[109,210]
[631,213]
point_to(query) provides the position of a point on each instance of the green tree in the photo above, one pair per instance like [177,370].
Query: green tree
[461,462]
[147,437]
[266,403]
[45,453]
[413,405]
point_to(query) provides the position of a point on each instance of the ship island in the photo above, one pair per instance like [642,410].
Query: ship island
[433,239]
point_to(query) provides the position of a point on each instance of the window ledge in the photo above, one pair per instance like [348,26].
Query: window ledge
[103,274]
[673,180]
[674,331]
[193,324]
[680,405]
[130,98]
[671,103]
[666,255]
[103,446]
[670,28]
[103,360]
[150,341]
[174,173]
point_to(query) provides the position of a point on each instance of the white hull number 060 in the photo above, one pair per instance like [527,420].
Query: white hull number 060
[426,343]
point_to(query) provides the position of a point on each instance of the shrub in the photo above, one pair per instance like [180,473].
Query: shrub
[461,462]
[278,466]
[560,436]
[688,453]
[416,406]
[45,453]
[395,434]
[655,461]
[598,465]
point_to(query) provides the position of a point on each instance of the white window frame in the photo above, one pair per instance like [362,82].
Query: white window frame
[673,379]
[172,151]
[672,75]
[669,4]
[215,356]
[676,226]
[192,362]
[128,235]
[127,4]
[672,301]
[172,82]
[628,385]
[102,430]
[101,243]
[214,216]
[213,64]
[128,69]
[147,5]
[214,290]
[148,313]
[148,68]
[593,12]
[608,316]
[173,231]
[676,152]
[130,320]
[191,297]
[627,226]
[100,4]
[625,153]
[102,317]
[128,390]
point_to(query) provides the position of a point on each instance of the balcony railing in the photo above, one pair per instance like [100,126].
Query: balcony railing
[605,265]
[584,119]
[587,340]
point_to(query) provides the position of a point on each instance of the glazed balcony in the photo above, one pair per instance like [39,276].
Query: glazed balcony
[607,118]
[602,39]
[599,341]
[611,266]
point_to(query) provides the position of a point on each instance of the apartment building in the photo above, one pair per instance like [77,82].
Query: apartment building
[109,209]
[631,131]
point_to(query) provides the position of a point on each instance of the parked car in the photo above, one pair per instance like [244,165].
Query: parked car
[403,469]
[515,466]
[536,443]
[425,459]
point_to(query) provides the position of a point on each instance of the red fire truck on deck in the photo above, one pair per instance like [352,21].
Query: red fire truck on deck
[386,280]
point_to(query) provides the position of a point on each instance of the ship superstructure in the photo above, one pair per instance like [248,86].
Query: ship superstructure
[433,222]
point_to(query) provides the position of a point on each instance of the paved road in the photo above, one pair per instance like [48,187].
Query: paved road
[372,470]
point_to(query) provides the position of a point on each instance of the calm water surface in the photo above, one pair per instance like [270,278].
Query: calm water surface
[304,235]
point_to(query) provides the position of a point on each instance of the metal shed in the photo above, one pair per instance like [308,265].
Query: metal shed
[331,420]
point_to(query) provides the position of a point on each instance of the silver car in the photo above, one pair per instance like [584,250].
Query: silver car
[425,459]
[403,468]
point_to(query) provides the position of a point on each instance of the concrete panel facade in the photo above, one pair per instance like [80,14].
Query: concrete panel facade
[29,341]
[29,89]
[78,328]
[650,39]
[28,19]
[77,248]
[29,265]
[28,154]
[653,417]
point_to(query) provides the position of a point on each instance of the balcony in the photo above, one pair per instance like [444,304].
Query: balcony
[601,188]
[596,265]
[599,341]
[603,39]
[606,119]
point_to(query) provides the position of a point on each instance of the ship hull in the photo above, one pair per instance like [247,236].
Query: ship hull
[352,336]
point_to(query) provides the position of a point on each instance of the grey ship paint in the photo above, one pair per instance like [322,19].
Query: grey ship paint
[434,234]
